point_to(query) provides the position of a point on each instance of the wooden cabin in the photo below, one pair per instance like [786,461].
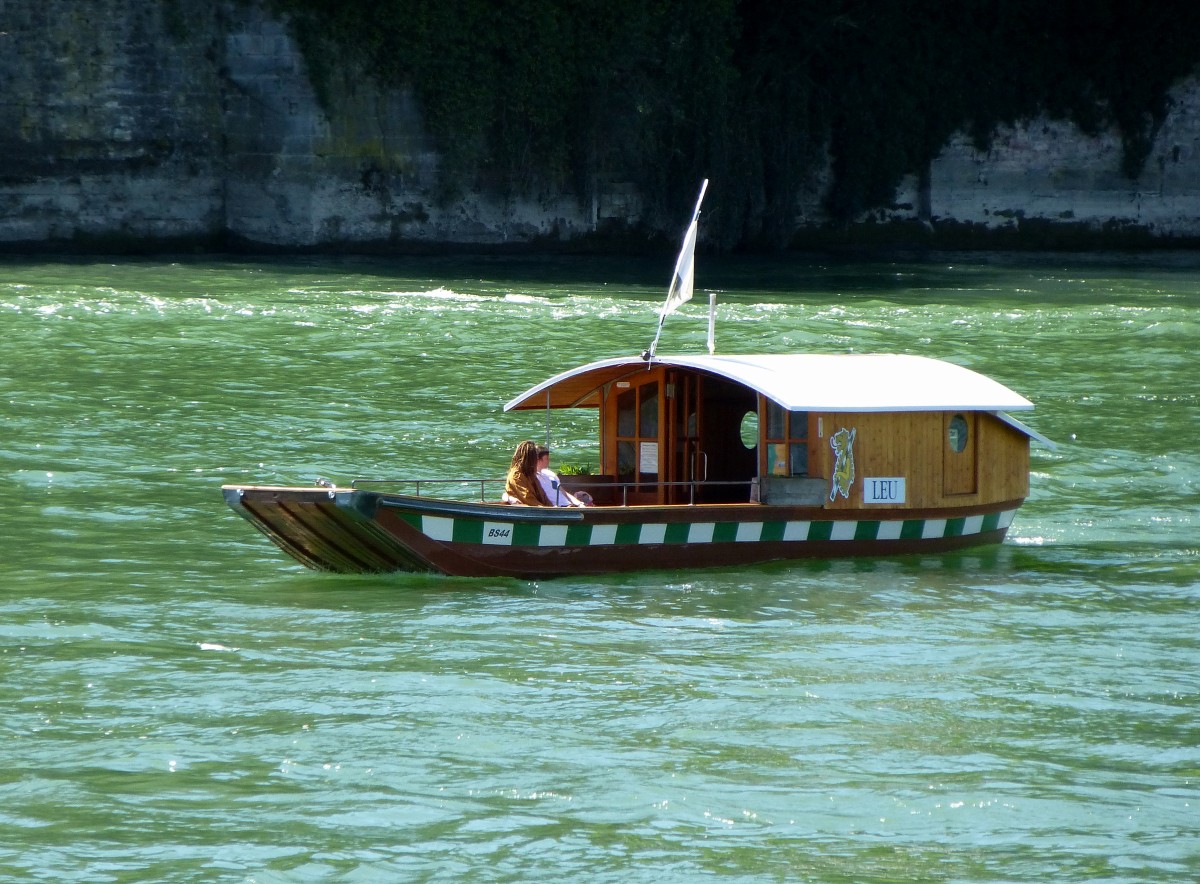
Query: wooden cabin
[915,433]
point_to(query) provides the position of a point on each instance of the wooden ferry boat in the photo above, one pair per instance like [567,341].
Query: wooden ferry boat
[705,460]
[850,455]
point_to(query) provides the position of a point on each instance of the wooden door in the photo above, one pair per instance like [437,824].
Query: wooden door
[639,418]
[960,468]
[683,442]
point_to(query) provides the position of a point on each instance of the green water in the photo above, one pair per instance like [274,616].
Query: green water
[180,702]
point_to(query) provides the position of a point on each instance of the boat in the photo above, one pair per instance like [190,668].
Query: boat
[705,460]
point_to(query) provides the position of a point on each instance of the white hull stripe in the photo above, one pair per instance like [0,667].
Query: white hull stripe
[463,530]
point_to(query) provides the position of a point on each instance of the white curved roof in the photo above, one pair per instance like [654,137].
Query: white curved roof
[803,382]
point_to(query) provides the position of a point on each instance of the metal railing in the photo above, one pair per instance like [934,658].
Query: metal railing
[625,488]
[442,483]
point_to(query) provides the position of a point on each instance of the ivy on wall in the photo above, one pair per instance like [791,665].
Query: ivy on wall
[526,96]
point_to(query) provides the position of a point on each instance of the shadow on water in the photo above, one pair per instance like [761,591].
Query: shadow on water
[829,591]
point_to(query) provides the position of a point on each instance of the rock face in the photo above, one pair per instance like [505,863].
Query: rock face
[1049,173]
[109,125]
[168,122]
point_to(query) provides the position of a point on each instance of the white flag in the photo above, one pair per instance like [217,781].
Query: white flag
[685,273]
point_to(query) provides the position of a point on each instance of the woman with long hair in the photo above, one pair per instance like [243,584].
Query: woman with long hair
[521,486]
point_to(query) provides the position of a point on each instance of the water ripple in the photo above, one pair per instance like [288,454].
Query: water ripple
[183,703]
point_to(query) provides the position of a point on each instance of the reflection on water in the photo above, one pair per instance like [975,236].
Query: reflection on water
[185,703]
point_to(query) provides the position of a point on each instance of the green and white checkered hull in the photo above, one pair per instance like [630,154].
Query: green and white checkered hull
[363,531]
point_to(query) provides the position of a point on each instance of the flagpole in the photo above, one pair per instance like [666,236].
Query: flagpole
[680,289]
[712,323]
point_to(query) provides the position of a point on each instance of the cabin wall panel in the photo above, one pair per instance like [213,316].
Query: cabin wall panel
[1003,460]
[887,445]
[914,445]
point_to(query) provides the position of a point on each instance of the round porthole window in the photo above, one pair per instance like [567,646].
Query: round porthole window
[749,429]
[958,433]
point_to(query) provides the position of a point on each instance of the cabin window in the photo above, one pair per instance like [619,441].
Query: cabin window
[648,411]
[787,441]
[957,433]
[627,413]
[637,434]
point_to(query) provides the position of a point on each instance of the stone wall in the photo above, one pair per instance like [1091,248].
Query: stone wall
[1048,171]
[107,124]
[165,122]
[187,120]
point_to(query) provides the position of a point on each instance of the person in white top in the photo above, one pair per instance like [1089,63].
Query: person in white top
[549,480]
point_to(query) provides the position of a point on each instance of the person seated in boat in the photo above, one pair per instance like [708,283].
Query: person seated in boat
[521,485]
[552,485]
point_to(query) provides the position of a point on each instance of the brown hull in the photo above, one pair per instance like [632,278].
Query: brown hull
[365,532]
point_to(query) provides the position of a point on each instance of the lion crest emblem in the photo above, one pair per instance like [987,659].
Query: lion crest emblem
[842,443]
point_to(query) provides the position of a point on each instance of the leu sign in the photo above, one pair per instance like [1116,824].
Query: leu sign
[889,490]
